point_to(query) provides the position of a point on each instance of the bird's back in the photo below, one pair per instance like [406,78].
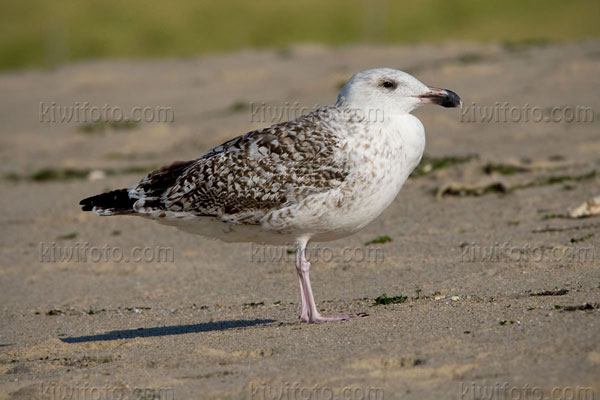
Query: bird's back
[241,180]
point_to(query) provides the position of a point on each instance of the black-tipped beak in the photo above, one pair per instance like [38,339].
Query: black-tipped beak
[442,97]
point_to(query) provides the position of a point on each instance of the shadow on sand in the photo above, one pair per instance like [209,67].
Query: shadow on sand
[167,330]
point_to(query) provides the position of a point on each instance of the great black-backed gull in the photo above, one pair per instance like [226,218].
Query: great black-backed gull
[320,177]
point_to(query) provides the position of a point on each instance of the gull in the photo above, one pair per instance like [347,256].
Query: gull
[320,177]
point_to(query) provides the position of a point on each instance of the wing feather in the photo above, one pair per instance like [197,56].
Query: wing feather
[252,174]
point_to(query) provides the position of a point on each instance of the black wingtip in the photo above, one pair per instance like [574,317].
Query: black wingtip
[86,204]
[117,200]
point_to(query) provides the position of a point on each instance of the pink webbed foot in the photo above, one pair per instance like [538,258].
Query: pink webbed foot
[309,312]
[318,319]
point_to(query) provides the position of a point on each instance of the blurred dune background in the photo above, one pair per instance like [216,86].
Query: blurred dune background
[48,33]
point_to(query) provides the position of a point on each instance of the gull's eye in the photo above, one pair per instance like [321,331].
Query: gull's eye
[389,84]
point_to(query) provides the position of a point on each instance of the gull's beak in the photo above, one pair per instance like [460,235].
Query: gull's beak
[442,97]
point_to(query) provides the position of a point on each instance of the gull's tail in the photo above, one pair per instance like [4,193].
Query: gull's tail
[115,202]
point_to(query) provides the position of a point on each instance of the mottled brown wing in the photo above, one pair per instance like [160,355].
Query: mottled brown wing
[252,174]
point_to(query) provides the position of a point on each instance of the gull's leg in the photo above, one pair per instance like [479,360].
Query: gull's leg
[304,310]
[310,313]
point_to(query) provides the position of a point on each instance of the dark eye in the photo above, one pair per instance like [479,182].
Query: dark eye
[389,84]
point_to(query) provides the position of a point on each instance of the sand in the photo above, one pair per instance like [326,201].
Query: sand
[473,238]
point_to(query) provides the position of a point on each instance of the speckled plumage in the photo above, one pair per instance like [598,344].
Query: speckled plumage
[247,177]
[320,177]
[281,181]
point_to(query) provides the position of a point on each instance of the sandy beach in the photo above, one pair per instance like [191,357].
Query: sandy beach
[476,282]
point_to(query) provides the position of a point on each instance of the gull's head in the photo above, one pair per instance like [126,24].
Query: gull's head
[392,92]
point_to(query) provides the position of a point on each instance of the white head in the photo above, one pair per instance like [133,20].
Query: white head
[391,91]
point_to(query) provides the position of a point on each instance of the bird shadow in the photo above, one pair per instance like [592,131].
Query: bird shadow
[167,330]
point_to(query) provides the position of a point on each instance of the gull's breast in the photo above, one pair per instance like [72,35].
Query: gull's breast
[382,158]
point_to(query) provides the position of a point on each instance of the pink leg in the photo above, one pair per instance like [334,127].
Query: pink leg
[304,310]
[309,312]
